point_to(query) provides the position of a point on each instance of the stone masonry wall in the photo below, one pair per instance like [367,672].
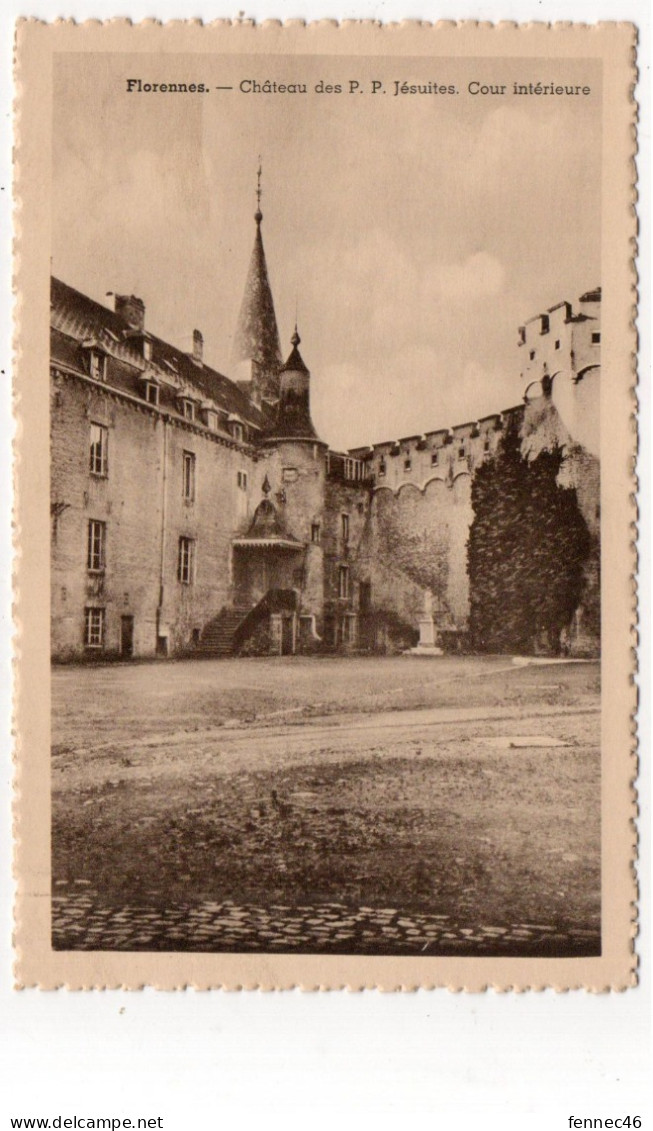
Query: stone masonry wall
[343,544]
[297,475]
[417,542]
[130,500]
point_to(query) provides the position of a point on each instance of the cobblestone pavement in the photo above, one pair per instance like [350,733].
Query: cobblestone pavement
[204,818]
[81,922]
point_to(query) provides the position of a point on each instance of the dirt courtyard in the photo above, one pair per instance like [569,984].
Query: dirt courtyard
[369,805]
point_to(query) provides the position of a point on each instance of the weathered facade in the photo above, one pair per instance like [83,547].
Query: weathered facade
[194,513]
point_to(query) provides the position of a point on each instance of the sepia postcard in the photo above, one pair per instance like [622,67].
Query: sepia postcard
[325,519]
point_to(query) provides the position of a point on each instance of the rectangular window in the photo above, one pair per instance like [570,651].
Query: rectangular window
[382,467]
[241,479]
[189,410]
[461,451]
[147,349]
[189,477]
[348,629]
[596,338]
[99,450]
[408,463]
[557,343]
[212,420]
[94,628]
[152,393]
[435,459]
[532,355]
[344,519]
[186,561]
[343,581]
[96,545]
[97,366]
[486,444]
[315,532]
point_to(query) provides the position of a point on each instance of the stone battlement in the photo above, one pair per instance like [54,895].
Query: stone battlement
[561,353]
[444,454]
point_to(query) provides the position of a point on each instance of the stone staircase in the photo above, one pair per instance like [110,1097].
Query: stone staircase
[217,637]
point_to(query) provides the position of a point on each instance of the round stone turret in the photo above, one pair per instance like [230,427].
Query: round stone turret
[293,420]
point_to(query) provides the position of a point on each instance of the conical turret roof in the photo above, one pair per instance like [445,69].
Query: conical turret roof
[293,419]
[295,362]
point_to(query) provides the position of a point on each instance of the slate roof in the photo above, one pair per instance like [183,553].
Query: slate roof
[77,319]
[257,334]
[293,418]
[295,362]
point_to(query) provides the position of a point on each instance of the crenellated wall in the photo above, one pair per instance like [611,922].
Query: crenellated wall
[420,514]
[441,455]
[421,510]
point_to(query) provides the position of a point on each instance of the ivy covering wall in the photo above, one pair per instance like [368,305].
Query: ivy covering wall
[527,551]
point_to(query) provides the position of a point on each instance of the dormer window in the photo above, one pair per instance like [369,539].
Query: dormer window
[152,393]
[187,409]
[147,349]
[97,365]
[236,429]
[211,420]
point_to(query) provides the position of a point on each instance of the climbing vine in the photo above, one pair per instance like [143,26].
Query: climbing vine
[414,547]
[527,546]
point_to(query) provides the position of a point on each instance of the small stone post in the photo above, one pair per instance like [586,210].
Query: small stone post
[276,634]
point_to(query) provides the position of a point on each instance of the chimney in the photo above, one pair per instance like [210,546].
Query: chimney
[198,347]
[132,311]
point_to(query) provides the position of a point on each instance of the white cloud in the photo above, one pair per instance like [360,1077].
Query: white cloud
[478,276]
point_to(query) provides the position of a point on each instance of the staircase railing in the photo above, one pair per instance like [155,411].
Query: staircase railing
[274,601]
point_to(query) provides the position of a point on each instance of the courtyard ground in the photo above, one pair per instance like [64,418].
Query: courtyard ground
[377,805]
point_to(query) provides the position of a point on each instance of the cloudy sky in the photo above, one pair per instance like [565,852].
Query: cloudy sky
[411,233]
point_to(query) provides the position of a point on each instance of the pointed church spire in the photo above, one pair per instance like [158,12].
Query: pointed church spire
[256,342]
[258,215]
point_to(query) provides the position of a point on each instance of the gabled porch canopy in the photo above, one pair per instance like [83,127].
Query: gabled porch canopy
[266,531]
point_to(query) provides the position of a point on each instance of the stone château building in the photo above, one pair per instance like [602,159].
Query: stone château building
[196,513]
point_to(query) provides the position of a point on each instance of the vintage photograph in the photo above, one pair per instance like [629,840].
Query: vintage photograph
[325,501]
[328,634]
